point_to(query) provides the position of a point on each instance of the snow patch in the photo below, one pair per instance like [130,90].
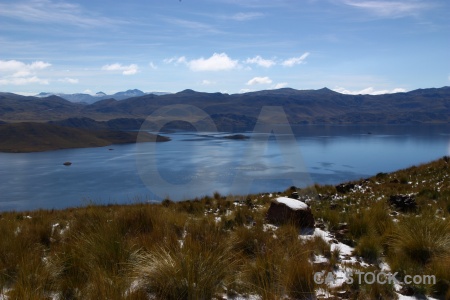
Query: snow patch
[241,297]
[343,248]
[320,259]
[270,227]
[292,203]
[3,293]
[403,297]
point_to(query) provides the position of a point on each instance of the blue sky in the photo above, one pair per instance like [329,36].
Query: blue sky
[231,46]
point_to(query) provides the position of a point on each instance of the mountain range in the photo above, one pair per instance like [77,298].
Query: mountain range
[237,112]
[89,99]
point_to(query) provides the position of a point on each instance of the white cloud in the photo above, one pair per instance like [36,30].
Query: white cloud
[393,9]
[126,70]
[217,62]
[258,60]
[23,80]
[241,91]
[180,60]
[152,65]
[193,25]
[68,80]
[25,93]
[368,91]
[207,82]
[176,60]
[295,60]
[46,11]
[245,16]
[19,69]
[281,85]
[18,73]
[259,80]
[169,60]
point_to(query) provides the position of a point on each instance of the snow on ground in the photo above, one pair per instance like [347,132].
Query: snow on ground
[320,259]
[133,287]
[3,294]
[384,267]
[241,297]
[342,273]
[270,227]
[292,203]
[343,248]
[403,297]
[310,233]
[323,293]
[54,226]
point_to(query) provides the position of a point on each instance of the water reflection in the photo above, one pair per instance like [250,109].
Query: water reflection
[332,154]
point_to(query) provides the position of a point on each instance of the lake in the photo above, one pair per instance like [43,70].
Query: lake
[194,164]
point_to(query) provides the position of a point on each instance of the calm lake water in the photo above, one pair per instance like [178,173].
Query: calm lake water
[195,164]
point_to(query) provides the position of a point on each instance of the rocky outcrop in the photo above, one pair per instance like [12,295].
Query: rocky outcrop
[403,203]
[345,187]
[284,210]
[294,195]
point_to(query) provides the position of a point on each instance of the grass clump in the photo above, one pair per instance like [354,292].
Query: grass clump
[421,246]
[194,271]
[369,248]
[422,239]
[275,274]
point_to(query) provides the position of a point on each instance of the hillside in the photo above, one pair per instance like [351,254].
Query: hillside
[224,247]
[32,137]
[239,112]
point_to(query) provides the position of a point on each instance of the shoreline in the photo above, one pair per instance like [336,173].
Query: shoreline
[93,203]
[28,137]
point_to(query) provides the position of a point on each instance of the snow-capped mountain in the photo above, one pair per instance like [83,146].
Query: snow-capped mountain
[89,99]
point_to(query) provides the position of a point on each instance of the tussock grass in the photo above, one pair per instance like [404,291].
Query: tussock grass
[197,270]
[35,277]
[420,245]
[422,239]
[275,274]
[369,248]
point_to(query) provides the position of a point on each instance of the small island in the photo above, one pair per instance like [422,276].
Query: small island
[236,137]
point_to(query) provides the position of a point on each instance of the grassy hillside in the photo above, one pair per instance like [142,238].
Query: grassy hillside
[220,247]
[32,137]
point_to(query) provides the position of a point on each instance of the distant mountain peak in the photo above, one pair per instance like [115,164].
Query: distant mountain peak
[327,90]
[89,98]
[44,94]
[128,94]
[187,91]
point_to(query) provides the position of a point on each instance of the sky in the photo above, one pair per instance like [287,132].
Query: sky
[228,46]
